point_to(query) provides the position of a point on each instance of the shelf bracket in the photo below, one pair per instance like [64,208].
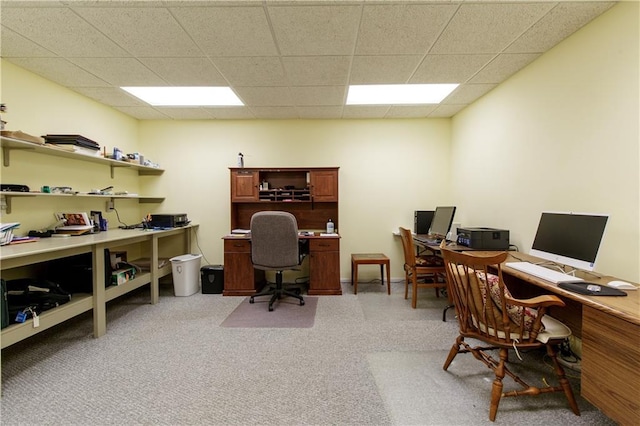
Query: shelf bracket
[5,155]
[6,203]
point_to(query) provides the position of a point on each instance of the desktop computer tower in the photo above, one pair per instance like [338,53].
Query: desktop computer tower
[422,221]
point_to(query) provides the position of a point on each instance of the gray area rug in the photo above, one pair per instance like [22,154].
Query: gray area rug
[287,313]
[368,359]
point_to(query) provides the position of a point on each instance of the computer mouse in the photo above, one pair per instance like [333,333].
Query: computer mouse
[621,285]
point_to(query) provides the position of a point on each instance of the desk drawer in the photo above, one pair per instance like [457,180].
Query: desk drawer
[237,246]
[324,244]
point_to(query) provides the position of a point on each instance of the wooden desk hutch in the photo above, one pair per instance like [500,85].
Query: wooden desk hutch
[311,195]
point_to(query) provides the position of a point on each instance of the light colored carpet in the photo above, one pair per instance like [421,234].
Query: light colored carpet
[287,313]
[368,360]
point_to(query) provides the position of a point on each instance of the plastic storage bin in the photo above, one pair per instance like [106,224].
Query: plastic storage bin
[212,277]
[185,274]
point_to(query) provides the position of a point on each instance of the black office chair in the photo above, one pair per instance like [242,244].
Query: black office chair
[275,247]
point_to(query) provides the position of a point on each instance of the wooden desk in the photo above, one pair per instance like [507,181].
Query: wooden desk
[44,250]
[610,332]
[241,279]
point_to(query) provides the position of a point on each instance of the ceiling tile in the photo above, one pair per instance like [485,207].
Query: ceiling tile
[326,112]
[318,95]
[252,71]
[315,30]
[503,66]
[61,31]
[31,3]
[401,29]
[187,113]
[265,96]
[468,93]
[232,113]
[14,45]
[284,58]
[410,111]
[120,71]
[60,71]
[110,96]
[185,71]
[143,113]
[364,111]
[449,68]
[228,31]
[316,70]
[388,69]
[446,111]
[271,113]
[561,22]
[488,27]
[143,32]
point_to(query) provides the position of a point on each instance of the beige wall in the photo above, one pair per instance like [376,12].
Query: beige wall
[388,169]
[561,135]
[38,107]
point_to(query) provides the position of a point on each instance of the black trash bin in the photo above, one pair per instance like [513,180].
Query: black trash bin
[212,277]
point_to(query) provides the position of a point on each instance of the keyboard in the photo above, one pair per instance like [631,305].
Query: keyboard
[542,272]
[428,239]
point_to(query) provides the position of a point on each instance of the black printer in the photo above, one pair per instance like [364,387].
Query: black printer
[484,238]
[169,220]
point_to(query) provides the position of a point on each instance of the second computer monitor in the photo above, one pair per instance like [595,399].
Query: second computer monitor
[442,220]
[422,221]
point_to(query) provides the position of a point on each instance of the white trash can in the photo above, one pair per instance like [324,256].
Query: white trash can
[186,274]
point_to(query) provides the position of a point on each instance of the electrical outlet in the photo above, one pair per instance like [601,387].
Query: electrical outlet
[109,206]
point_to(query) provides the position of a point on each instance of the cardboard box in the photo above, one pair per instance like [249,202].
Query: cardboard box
[121,276]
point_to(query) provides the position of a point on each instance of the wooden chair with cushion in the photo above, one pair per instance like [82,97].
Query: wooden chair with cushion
[487,312]
[421,271]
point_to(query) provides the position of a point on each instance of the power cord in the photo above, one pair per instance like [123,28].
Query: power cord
[198,245]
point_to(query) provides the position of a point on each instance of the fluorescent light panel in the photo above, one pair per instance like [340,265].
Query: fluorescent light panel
[185,96]
[403,94]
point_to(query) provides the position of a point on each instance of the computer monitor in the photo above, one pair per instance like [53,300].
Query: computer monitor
[422,221]
[441,222]
[571,239]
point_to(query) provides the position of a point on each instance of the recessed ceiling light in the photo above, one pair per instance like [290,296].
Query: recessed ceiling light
[185,96]
[404,94]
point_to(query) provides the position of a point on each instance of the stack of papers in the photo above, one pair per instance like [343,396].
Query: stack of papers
[6,232]
[241,231]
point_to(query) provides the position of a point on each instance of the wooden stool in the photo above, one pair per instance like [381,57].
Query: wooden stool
[370,259]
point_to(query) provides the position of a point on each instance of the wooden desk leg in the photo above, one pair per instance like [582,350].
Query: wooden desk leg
[99,292]
[355,277]
[154,284]
[388,263]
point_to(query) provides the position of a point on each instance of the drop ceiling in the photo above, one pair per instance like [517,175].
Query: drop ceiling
[284,59]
